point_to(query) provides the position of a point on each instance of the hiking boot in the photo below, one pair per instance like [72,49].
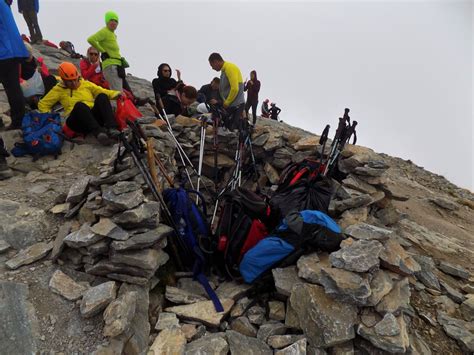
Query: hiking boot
[113,132]
[5,171]
[104,139]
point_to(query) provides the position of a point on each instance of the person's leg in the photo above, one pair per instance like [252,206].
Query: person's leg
[254,112]
[5,171]
[9,74]
[27,16]
[81,120]
[248,104]
[111,75]
[34,22]
[103,113]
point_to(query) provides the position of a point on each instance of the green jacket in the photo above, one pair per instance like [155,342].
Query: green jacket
[105,41]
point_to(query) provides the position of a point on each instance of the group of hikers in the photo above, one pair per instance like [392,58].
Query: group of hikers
[87,96]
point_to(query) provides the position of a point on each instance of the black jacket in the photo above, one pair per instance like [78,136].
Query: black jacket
[210,94]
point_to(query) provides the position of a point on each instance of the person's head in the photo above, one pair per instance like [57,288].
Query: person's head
[266,101]
[164,71]
[273,104]
[215,83]
[69,74]
[253,75]
[216,61]
[188,94]
[111,20]
[93,55]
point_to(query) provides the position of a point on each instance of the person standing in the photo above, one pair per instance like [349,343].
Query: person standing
[231,89]
[252,87]
[12,53]
[29,9]
[105,41]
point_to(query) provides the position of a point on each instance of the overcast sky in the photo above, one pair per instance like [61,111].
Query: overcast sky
[405,68]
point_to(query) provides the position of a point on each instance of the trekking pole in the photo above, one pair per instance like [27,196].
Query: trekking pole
[201,156]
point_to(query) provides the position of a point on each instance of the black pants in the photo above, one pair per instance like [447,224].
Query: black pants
[9,77]
[31,19]
[85,120]
[252,104]
[235,119]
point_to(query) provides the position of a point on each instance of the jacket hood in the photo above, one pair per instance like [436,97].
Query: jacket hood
[255,73]
[160,68]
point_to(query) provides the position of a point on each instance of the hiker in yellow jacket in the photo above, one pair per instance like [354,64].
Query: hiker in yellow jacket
[86,105]
[105,41]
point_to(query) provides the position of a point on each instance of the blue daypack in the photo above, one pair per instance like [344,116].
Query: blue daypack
[193,234]
[298,233]
[41,135]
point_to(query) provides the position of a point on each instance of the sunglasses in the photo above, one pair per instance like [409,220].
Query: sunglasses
[93,53]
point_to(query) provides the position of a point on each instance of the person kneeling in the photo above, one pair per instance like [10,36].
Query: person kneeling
[86,105]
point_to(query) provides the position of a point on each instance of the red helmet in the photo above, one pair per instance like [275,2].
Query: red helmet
[68,71]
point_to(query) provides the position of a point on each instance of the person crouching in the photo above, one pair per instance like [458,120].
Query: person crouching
[86,105]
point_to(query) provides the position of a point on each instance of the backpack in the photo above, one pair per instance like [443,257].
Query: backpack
[69,48]
[41,135]
[245,219]
[299,233]
[303,187]
[193,234]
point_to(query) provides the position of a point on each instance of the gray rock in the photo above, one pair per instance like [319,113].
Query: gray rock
[271,173]
[454,270]
[381,284]
[135,280]
[396,343]
[368,232]
[203,312]
[388,216]
[396,259]
[123,187]
[467,308]
[232,289]
[214,344]
[276,310]
[256,315]
[455,295]
[240,307]
[123,201]
[269,329]
[82,237]
[97,298]
[119,314]
[112,179]
[325,321]
[396,300]
[291,319]
[353,202]
[309,267]
[19,326]
[144,240]
[346,286]
[105,267]
[274,142]
[445,203]
[358,256]
[65,286]
[58,244]
[343,349]
[78,190]
[29,255]
[458,330]
[148,259]
[368,171]
[281,341]
[169,341]
[427,274]
[298,348]
[388,326]
[242,345]
[99,248]
[146,215]
[261,140]
[243,326]
[4,246]
[418,346]
[355,183]
[179,296]
[286,279]
[166,320]
[107,228]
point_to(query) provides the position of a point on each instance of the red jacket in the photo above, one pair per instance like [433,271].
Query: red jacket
[88,73]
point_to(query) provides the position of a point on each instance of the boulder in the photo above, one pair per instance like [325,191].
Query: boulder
[82,237]
[271,173]
[396,259]
[346,286]
[390,334]
[358,256]
[107,228]
[145,215]
[427,275]
[65,286]
[232,290]
[78,190]
[119,314]
[123,200]
[276,310]
[396,300]
[256,315]
[268,329]
[97,298]
[353,202]
[310,266]
[381,284]
[355,183]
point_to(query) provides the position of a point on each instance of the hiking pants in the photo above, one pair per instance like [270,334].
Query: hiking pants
[235,119]
[31,19]
[9,74]
[111,75]
[254,104]
[86,120]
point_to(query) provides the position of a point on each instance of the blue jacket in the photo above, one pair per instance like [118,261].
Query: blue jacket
[11,44]
[27,5]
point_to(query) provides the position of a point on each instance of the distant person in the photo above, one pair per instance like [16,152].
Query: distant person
[30,9]
[252,87]
[164,83]
[209,93]
[91,68]
[231,89]
[86,105]
[266,108]
[274,112]
[5,171]
[12,53]
[113,64]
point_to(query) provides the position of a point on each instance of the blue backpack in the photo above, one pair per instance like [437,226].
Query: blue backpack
[193,234]
[298,233]
[41,135]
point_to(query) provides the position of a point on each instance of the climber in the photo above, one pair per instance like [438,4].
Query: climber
[91,68]
[86,105]
[164,83]
[209,93]
[231,89]
[252,87]
[181,101]
[274,112]
[266,109]
[30,9]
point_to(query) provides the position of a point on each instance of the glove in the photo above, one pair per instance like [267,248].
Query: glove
[104,56]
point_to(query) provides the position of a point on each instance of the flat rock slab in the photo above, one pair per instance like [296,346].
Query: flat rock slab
[122,201]
[210,344]
[454,270]
[4,246]
[346,286]
[97,298]
[65,286]
[242,345]
[358,256]
[445,203]
[169,341]
[390,334]
[143,240]
[145,215]
[179,296]
[427,274]
[286,279]
[269,329]
[243,326]
[29,255]
[78,189]
[458,330]
[309,267]
[396,259]
[166,320]
[148,259]
[82,237]
[282,341]
[232,289]
[18,325]
[107,228]
[397,299]
[367,231]
[298,348]
[119,314]
[203,312]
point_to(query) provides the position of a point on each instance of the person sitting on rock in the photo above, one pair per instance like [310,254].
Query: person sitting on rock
[91,68]
[274,112]
[86,105]
[266,108]
[209,93]
[164,83]
[181,101]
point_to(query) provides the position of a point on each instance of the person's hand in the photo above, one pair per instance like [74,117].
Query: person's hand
[104,56]
[225,105]
[178,73]
[251,82]
[213,101]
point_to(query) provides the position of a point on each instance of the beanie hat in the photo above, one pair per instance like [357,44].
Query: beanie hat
[110,15]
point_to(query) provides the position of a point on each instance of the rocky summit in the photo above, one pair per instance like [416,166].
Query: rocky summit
[86,266]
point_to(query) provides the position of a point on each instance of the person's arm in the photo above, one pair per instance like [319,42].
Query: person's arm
[256,88]
[96,90]
[87,69]
[95,40]
[233,77]
[278,110]
[50,99]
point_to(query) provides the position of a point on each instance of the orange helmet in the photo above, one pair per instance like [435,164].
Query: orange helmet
[68,71]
